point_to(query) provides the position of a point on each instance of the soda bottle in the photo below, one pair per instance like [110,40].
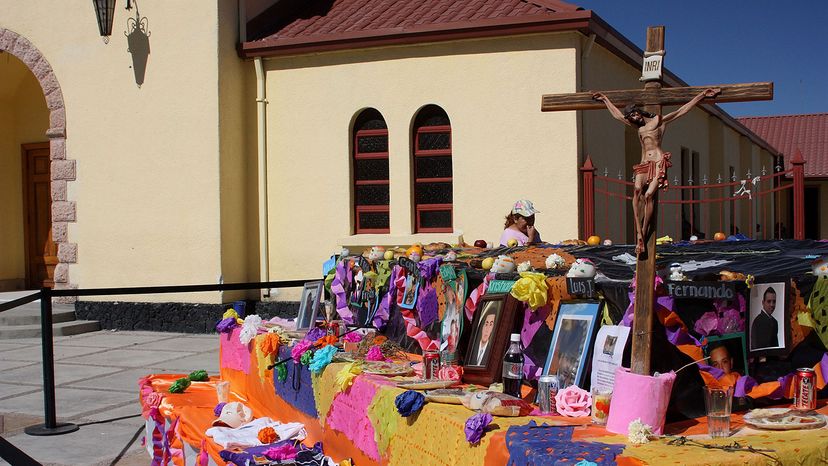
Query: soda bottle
[513,367]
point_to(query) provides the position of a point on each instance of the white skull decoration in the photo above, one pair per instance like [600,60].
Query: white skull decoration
[582,268]
[820,267]
[676,272]
[377,253]
[555,262]
[503,264]
[450,256]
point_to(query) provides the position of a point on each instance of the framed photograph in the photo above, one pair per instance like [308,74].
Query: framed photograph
[412,284]
[768,329]
[494,320]
[571,342]
[309,304]
[728,353]
[451,326]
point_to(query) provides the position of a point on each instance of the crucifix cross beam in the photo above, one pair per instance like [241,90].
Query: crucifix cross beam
[651,172]
[657,96]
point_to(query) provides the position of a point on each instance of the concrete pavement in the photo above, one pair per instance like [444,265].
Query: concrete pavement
[96,387]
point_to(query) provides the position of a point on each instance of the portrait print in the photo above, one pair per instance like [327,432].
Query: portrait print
[572,341]
[727,353]
[410,292]
[609,345]
[767,316]
[480,346]
[309,305]
[451,326]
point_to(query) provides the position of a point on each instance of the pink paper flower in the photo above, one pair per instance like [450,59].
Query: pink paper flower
[282,452]
[299,349]
[707,323]
[572,401]
[374,354]
[352,337]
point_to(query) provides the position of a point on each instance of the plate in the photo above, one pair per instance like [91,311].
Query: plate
[427,384]
[386,368]
[453,396]
[784,419]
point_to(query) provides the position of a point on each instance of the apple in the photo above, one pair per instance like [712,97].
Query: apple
[389,254]
[481,243]
[512,243]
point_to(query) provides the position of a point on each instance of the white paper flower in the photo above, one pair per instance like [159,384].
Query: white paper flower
[638,432]
[524,266]
[250,328]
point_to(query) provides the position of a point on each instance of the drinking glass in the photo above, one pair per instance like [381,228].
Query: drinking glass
[601,398]
[717,401]
[223,391]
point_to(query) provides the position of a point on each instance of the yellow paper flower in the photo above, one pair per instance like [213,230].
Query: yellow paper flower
[230,313]
[345,377]
[531,288]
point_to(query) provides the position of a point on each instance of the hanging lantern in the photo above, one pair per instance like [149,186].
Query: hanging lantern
[105,13]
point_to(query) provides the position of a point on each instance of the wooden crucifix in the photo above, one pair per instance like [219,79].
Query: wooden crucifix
[650,173]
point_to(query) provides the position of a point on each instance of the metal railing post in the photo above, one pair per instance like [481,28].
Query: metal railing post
[50,425]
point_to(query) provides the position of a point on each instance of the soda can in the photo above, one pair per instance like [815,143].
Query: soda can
[805,394]
[431,364]
[548,386]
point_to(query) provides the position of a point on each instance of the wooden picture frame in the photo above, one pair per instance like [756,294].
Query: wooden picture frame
[759,323]
[736,346]
[572,340]
[483,362]
[312,294]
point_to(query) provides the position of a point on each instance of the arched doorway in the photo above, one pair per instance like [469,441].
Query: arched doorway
[34,171]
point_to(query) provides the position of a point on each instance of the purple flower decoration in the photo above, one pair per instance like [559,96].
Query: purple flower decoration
[226,325]
[374,354]
[217,409]
[315,334]
[409,402]
[352,337]
[299,349]
[282,452]
[476,426]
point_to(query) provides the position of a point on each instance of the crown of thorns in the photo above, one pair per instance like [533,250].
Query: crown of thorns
[632,108]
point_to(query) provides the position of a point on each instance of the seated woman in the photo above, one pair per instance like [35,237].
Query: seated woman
[520,225]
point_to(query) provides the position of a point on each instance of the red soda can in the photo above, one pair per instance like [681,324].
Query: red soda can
[431,364]
[805,394]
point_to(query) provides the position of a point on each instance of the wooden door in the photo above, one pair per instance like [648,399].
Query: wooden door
[41,251]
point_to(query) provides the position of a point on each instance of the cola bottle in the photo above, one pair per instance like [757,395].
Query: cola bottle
[513,367]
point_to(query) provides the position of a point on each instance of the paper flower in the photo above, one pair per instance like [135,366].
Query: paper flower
[269,343]
[299,349]
[573,401]
[180,385]
[230,314]
[153,400]
[279,332]
[409,402]
[226,325]
[314,334]
[345,377]
[321,358]
[476,426]
[282,452]
[531,288]
[267,435]
[198,376]
[375,354]
[250,328]
[450,372]
[325,341]
[730,321]
[707,323]
[352,337]
[217,409]
[524,266]
[306,358]
[639,433]
[281,372]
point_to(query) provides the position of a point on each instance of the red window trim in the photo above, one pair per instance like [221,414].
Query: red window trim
[382,208]
[419,208]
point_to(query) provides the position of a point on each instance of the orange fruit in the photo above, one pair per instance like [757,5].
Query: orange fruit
[594,240]
[719,236]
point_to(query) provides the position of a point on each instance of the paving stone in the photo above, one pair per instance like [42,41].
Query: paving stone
[130,358]
[7,389]
[35,353]
[108,339]
[5,365]
[64,373]
[182,343]
[206,361]
[123,380]
[70,403]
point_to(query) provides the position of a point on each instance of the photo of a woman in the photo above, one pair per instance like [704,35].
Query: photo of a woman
[450,328]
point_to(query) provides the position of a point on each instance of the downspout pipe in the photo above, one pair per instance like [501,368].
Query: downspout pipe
[261,123]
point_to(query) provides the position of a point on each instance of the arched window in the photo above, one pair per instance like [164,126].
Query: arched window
[370,173]
[432,171]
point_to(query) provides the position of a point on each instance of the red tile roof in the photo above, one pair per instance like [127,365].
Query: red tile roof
[290,23]
[787,133]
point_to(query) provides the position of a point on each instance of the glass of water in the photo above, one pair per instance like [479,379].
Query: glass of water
[717,401]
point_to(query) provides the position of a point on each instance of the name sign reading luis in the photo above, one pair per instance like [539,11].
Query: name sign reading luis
[579,286]
[701,290]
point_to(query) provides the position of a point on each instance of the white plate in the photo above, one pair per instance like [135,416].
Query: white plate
[784,419]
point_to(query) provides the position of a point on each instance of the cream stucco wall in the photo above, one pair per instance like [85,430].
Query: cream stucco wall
[149,158]
[504,148]
[24,119]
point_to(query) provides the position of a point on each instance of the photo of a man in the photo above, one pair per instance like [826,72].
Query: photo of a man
[767,307]
[481,346]
[568,350]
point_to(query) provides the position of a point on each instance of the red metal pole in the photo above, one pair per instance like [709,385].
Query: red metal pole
[798,163]
[588,207]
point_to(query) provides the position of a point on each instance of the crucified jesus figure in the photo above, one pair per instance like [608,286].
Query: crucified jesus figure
[651,173]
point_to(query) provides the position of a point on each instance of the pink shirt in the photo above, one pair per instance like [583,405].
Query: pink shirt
[522,239]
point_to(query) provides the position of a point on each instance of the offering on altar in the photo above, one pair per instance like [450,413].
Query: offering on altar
[582,268]
[820,267]
[503,264]
[677,273]
[554,262]
[376,253]
[234,414]
[450,256]
[601,398]
[784,419]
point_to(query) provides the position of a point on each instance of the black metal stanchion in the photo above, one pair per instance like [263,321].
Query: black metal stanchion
[50,425]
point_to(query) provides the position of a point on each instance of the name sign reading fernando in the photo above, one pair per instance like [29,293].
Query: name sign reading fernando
[701,290]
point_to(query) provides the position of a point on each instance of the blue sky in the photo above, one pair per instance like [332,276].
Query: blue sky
[735,41]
